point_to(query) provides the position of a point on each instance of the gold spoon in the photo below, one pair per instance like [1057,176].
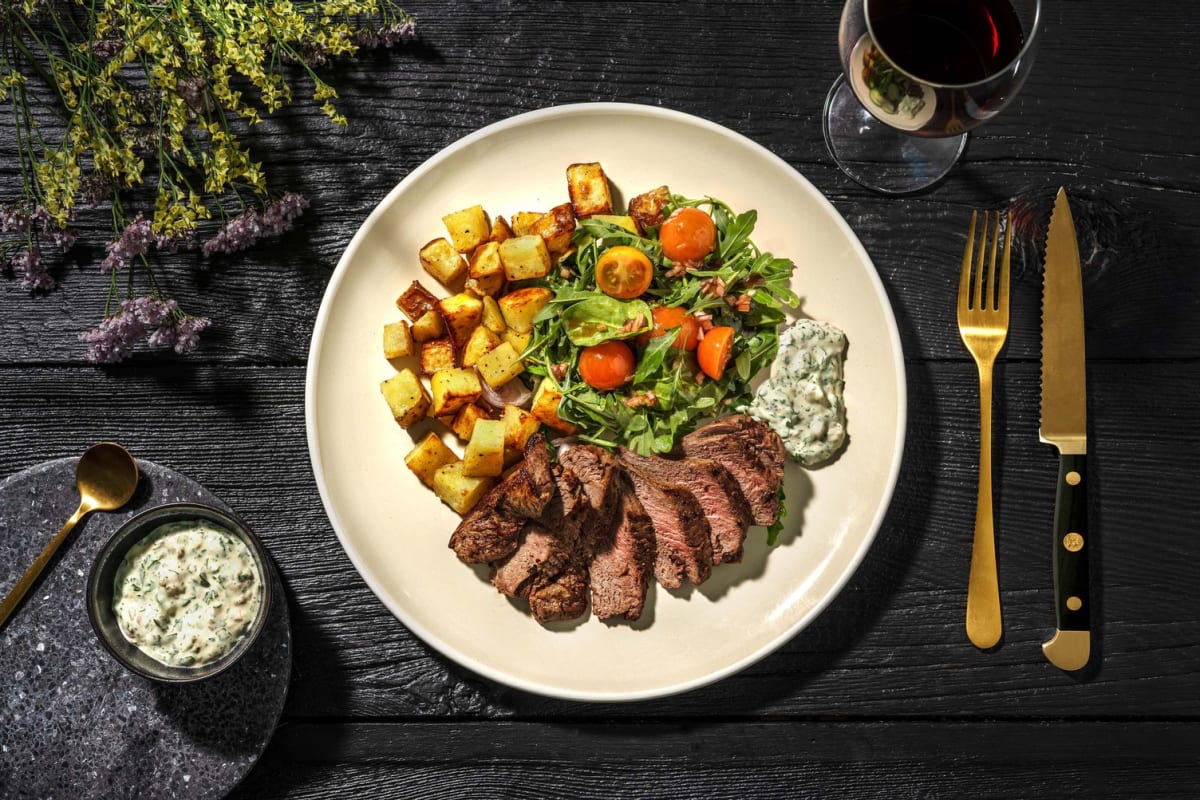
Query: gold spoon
[106,476]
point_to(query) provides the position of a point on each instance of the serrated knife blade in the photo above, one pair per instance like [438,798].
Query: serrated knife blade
[1064,425]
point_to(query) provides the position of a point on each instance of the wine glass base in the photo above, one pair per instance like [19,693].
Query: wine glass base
[877,155]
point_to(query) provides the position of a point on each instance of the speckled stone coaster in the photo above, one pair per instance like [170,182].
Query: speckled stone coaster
[74,723]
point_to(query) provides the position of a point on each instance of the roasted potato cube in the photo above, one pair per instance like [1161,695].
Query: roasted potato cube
[525,257]
[416,301]
[522,306]
[500,365]
[406,397]
[522,222]
[440,260]
[587,186]
[437,355]
[485,274]
[452,389]
[464,420]
[501,230]
[461,313]
[647,208]
[493,318]
[545,408]
[428,457]
[519,341]
[482,341]
[459,491]
[429,326]
[484,456]
[621,221]
[468,228]
[556,227]
[519,425]
[397,340]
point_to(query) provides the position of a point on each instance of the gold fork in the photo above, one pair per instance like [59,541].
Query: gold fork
[983,325]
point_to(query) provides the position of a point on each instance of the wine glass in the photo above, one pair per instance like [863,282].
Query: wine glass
[917,75]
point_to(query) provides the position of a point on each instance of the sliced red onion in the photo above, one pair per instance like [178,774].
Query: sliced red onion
[513,393]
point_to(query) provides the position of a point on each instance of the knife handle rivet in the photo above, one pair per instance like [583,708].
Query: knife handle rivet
[1074,478]
[1073,542]
[1074,603]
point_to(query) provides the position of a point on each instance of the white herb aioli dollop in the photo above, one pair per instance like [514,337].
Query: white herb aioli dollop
[187,593]
[802,400]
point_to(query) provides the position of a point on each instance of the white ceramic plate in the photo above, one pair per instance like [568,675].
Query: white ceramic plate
[395,531]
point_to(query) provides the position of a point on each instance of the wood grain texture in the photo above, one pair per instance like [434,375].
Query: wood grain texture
[882,696]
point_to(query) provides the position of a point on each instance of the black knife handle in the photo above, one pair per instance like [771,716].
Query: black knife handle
[1072,605]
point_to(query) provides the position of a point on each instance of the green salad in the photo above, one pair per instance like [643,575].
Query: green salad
[646,335]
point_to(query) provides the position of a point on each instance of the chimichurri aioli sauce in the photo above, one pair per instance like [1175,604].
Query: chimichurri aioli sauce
[187,593]
[802,400]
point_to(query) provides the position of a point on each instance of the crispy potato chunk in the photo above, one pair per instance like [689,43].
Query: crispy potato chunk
[500,365]
[429,326]
[464,420]
[460,491]
[501,230]
[440,260]
[416,301]
[647,208]
[522,306]
[545,408]
[428,457]
[461,313]
[522,222]
[484,456]
[556,227]
[587,186]
[437,355]
[519,425]
[452,389]
[468,228]
[406,397]
[485,274]
[493,318]
[519,341]
[482,342]
[397,340]
[525,257]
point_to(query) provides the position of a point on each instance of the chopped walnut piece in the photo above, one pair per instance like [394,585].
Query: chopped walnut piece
[559,370]
[635,324]
[713,287]
[644,399]
[739,302]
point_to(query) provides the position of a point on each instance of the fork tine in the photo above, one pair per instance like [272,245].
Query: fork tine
[964,279]
[992,303]
[1006,263]
[980,265]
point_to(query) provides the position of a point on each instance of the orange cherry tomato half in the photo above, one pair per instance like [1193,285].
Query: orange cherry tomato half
[714,351]
[688,235]
[624,272]
[607,365]
[667,317]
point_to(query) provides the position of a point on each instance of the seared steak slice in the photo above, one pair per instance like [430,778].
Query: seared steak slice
[491,530]
[563,597]
[620,573]
[750,451]
[539,558]
[681,533]
[596,471]
[528,490]
[716,491]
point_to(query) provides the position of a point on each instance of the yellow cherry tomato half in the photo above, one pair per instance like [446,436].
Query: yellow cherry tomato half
[624,272]
[668,317]
[688,234]
[607,365]
[714,351]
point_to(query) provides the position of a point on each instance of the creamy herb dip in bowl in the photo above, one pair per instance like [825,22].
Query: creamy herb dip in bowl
[180,592]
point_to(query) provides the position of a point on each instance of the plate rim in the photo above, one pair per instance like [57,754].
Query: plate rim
[366,573]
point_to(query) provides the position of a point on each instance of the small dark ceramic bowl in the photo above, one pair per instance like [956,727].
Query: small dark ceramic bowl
[100,591]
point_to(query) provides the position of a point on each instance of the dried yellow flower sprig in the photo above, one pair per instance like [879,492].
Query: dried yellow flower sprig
[149,98]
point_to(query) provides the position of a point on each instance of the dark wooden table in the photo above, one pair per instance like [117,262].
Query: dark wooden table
[882,696]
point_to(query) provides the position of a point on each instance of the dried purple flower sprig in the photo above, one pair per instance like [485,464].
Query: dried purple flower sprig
[182,114]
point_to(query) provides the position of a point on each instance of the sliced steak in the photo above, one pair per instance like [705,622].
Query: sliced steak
[597,472]
[528,490]
[683,541]
[619,574]
[539,559]
[563,597]
[751,452]
[491,530]
[716,491]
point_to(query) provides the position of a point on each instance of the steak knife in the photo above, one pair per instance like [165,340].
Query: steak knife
[1064,425]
